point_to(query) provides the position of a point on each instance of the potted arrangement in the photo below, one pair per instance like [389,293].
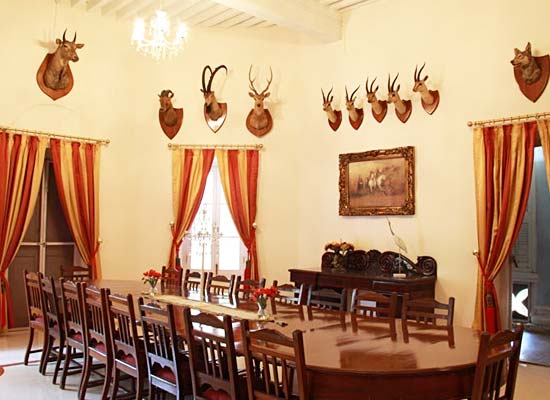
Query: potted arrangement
[151,277]
[341,251]
[260,296]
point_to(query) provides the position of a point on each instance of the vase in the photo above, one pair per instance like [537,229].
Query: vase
[153,290]
[339,262]
[263,315]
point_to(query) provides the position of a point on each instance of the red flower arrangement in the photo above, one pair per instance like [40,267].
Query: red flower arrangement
[151,277]
[260,295]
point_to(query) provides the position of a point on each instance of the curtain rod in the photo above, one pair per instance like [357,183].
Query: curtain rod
[216,146]
[502,121]
[53,135]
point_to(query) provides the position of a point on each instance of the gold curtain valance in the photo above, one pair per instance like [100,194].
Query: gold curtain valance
[53,135]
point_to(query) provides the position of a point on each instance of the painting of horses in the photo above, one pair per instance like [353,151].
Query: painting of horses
[377,182]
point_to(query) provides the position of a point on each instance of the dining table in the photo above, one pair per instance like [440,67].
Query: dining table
[347,356]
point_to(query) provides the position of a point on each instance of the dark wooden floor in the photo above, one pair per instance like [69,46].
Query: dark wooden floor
[535,347]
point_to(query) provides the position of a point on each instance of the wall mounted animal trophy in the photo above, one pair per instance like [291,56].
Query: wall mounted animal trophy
[403,108]
[379,107]
[259,120]
[334,116]
[54,77]
[355,114]
[429,98]
[214,112]
[531,72]
[170,118]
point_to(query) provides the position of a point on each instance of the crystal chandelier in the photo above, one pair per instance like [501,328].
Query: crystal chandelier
[156,41]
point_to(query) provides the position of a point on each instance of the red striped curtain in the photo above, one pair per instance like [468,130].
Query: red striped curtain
[503,158]
[76,169]
[239,177]
[190,169]
[21,164]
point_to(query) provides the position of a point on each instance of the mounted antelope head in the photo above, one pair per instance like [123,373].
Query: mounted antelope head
[55,74]
[334,116]
[429,98]
[379,107]
[214,112]
[355,114]
[170,118]
[403,108]
[259,120]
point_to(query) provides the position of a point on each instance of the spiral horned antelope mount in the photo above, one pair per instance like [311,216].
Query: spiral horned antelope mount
[355,114]
[334,116]
[403,108]
[170,118]
[54,76]
[379,107]
[214,112]
[259,120]
[429,98]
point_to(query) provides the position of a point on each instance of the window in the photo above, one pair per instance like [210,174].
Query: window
[213,237]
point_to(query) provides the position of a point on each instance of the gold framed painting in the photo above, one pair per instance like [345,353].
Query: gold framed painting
[377,182]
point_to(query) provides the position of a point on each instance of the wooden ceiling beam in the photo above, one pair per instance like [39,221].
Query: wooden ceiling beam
[307,17]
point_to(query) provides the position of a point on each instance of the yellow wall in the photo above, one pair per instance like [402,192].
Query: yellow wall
[467,46]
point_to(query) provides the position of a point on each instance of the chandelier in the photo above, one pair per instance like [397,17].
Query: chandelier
[155,41]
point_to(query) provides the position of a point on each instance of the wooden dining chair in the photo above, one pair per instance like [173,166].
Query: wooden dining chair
[168,367]
[192,280]
[33,295]
[54,321]
[272,360]
[220,284]
[497,365]
[212,357]
[327,299]
[76,273]
[171,277]
[289,294]
[374,307]
[427,313]
[128,346]
[72,305]
[245,287]
[97,338]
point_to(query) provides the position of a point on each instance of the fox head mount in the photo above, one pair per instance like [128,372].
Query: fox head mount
[214,112]
[531,72]
[54,76]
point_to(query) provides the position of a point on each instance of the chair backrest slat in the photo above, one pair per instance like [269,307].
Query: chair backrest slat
[289,294]
[33,294]
[52,304]
[72,302]
[171,278]
[96,319]
[192,280]
[219,284]
[327,299]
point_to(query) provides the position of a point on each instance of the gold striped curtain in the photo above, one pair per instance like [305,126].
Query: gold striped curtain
[544,134]
[190,169]
[76,169]
[239,177]
[503,159]
[21,164]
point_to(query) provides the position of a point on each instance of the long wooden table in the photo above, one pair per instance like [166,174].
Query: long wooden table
[362,360]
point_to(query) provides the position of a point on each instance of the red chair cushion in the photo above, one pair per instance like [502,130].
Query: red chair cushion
[212,394]
[100,347]
[128,359]
[166,374]
[77,336]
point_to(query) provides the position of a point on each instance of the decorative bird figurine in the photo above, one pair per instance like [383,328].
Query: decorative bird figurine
[402,248]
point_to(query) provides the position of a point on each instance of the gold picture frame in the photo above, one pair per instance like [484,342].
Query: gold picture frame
[377,182]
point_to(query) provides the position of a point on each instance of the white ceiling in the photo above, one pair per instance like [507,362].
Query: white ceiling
[321,19]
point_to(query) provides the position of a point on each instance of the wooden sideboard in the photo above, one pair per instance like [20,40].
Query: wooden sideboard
[373,270]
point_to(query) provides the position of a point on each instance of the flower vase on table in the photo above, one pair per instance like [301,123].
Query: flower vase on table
[340,257]
[151,278]
[260,296]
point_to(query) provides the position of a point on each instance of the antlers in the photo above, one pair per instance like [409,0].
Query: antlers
[251,85]
[208,88]
[348,98]
[417,75]
[391,88]
[369,89]
[328,98]
[74,38]
[168,93]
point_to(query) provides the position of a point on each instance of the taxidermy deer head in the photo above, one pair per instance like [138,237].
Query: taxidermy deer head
[379,107]
[524,60]
[429,98]
[169,114]
[403,108]
[334,117]
[259,120]
[350,105]
[56,76]
[212,108]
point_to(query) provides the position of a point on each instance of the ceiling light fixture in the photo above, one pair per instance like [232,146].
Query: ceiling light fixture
[155,41]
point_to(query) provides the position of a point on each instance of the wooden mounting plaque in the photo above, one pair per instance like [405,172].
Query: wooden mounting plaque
[357,124]
[380,117]
[259,132]
[171,131]
[215,125]
[336,124]
[53,94]
[534,90]
[430,108]
[408,110]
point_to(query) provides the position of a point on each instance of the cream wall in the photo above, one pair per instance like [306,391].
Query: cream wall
[467,46]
